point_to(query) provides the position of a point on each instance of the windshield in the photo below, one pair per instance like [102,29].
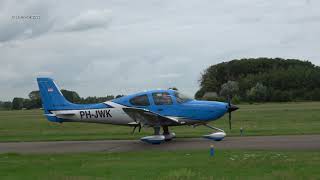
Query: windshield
[181,98]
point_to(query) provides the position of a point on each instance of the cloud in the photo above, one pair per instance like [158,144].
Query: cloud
[88,20]
[120,47]
[170,75]
[14,28]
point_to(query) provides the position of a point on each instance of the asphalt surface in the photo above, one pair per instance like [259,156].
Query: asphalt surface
[294,142]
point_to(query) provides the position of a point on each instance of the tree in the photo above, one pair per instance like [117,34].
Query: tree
[28,104]
[229,89]
[71,96]
[119,95]
[173,88]
[257,93]
[34,95]
[35,100]
[108,98]
[17,103]
[7,105]
[94,99]
[285,79]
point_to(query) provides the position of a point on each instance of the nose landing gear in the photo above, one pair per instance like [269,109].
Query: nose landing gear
[217,136]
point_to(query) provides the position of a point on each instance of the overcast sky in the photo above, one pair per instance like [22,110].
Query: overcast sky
[125,46]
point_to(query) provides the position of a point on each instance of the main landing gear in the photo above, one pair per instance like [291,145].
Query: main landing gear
[158,138]
[217,136]
[168,135]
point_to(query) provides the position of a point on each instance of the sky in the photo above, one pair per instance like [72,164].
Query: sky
[123,46]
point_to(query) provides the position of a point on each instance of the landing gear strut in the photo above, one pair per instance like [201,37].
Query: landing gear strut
[215,128]
[156,130]
[156,138]
[168,136]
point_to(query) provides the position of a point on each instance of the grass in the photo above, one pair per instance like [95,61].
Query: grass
[163,165]
[257,119]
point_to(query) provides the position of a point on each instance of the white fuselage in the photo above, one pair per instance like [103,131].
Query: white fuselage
[114,115]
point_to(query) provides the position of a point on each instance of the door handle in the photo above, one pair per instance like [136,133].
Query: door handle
[160,109]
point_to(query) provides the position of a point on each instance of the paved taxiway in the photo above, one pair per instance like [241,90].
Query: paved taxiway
[294,142]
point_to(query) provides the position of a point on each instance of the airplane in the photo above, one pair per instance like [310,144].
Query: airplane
[156,109]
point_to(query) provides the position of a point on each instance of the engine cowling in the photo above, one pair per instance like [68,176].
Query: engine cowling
[156,139]
[218,136]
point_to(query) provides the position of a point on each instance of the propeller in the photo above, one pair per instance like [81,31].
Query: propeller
[231,108]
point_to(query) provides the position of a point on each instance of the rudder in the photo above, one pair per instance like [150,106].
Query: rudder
[51,96]
[53,100]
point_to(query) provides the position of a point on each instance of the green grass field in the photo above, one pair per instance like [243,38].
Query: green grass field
[258,119]
[163,165]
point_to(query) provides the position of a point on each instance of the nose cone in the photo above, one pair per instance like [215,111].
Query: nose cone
[232,108]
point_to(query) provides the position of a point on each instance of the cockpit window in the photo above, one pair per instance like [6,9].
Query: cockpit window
[141,100]
[162,98]
[181,98]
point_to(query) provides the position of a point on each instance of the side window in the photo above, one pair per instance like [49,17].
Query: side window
[162,98]
[141,100]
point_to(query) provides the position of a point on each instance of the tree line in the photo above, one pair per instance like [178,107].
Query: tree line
[34,101]
[248,80]
[261,80]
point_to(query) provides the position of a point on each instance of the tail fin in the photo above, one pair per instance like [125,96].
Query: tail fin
[53,100]
[51,96]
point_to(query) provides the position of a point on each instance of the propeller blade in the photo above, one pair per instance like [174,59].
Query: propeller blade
[230,120]
[229,110]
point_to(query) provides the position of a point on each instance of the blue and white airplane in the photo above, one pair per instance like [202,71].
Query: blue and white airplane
[157,109]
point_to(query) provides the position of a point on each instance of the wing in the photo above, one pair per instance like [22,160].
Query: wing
[150,118]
